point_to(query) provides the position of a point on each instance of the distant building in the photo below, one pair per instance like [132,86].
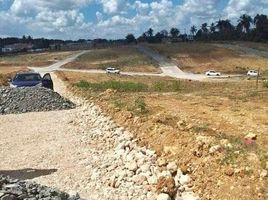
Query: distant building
[17,47]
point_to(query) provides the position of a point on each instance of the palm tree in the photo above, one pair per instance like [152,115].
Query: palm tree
[225,28]
[245,21]
[193,30]
[212,28]
[261,21]
[204,28]
[150,32]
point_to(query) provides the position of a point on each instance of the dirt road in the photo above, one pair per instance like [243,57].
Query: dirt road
[56,66]
[168,68]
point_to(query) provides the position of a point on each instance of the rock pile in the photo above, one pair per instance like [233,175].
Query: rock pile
[121,169]
[13,189]
[34,99]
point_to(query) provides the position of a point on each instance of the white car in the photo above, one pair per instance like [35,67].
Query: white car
[252,73]
[213,73]
[112,70]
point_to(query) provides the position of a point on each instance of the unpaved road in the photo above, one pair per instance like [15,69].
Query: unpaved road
[56,66]
[168,68]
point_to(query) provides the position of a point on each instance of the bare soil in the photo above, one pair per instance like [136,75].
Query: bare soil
[186,126]
[127,59]
[32,59]
[201,57]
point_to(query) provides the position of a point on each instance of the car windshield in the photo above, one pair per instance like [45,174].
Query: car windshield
[27,77]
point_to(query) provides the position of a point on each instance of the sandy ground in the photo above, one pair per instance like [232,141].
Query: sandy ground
[47,143]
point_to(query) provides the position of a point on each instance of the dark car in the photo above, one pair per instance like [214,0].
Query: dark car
[31,79]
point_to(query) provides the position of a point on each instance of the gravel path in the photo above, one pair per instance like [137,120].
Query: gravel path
[82,150]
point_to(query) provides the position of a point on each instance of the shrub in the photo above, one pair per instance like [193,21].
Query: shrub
[140,105]
[265,84]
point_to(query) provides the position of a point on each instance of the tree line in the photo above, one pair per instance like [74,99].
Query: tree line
[247,29]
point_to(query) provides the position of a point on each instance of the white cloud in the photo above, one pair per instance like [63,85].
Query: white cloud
[113,6]
[236,8]
[64,19]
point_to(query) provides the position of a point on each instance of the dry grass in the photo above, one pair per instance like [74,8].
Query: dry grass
[254,45]
[200,57]
[217,110]
[123,58]
[32,59]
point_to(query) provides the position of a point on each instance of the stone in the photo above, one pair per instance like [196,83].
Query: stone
[229,171]
[132,166]
[264,173]
[172,167]
[163,196]
[161,162]
[184,179]
[214,149]
[189,196]
[166,185]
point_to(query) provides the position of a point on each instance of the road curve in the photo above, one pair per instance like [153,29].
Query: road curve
[168,68]
[56,66]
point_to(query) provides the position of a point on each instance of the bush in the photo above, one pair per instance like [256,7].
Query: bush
[140,105]
[265,84]
[123,86]
[167,86]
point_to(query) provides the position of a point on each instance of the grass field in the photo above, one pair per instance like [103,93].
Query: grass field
[123,58]
[173,120]
[200,57]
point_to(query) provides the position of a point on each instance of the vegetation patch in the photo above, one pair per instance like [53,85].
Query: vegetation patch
[121,86]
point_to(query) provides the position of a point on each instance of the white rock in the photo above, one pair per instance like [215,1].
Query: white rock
[214,149]
[145,167]
[164,173]
[152,180]
[189,196]
[184,179]
[264,173]
[172,167]
[163,196]
[132,166]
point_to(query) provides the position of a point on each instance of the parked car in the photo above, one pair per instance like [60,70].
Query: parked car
[252,73]
[213,73]
[31,79]
[112,70]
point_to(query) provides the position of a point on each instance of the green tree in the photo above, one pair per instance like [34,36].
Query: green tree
[174,32]
[130,38]
[245,21]
[193,30]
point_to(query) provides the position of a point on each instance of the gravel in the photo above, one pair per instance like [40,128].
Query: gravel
[14,189]
[34,99]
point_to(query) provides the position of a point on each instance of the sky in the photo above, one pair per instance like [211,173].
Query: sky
[114,19]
